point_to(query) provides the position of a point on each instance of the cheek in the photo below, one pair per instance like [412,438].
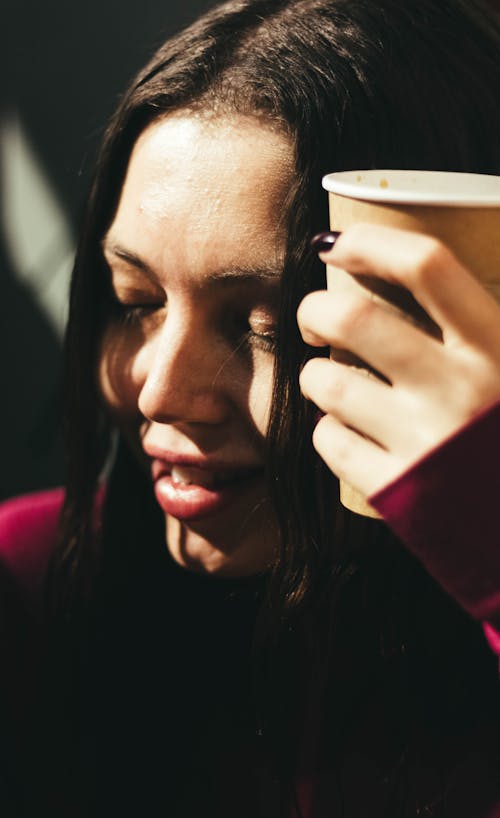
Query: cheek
[118,383]
[260,393]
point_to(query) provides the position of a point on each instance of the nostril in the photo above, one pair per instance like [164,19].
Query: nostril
[183,400]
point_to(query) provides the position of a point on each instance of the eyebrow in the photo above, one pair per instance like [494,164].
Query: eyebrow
[230,274]
[131,258]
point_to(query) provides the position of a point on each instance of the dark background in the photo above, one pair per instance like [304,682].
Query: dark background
[63,67]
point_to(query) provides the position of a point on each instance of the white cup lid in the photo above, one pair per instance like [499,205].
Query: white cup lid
[425,187]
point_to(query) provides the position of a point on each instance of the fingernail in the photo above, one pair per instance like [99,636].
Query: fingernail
[323,242]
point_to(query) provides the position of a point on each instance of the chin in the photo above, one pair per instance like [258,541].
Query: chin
[195,552]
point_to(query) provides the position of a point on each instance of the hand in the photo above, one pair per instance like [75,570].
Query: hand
[373,430]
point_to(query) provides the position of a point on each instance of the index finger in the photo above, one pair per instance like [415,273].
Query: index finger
[453,298]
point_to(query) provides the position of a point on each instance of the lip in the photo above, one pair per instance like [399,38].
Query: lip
[191,501]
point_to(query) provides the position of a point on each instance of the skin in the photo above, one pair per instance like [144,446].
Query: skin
[195,252]
[374,431]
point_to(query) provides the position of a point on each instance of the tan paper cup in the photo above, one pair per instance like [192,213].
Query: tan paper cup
[461,209]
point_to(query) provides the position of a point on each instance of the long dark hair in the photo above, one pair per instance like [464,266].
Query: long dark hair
[356,84]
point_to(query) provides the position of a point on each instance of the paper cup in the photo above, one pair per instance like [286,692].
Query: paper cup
[460,209]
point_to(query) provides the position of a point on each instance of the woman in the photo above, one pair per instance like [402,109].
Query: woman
[279,657]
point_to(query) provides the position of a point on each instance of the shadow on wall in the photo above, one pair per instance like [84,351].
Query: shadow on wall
[66,65]
[37,250]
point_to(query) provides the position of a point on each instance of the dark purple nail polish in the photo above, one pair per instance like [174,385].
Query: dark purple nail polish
[323,242]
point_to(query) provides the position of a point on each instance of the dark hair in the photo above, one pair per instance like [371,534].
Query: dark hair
[356,84]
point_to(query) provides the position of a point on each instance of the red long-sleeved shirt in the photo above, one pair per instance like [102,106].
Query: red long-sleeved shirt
[444,509]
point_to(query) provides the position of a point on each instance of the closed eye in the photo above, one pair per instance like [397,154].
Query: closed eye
[256,329]
[263,340]
[133,312]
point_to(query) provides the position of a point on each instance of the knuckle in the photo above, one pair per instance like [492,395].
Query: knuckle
[311,377]
[432,256]
[310,316]
[353,315]
[334,386]
[333,447]
[323,382]
[474,394]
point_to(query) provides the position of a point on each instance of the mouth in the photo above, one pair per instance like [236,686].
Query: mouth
[192,492]
[192,476]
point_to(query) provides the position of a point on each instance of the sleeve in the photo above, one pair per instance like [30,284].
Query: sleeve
[28,533]
[445,508]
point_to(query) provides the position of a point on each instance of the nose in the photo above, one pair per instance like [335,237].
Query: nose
[183,376]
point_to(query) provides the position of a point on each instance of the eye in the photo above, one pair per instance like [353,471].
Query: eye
[135,311]
[260,329]
[132,296]
[264,340]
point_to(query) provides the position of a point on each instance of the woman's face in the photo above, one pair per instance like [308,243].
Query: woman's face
[195,254]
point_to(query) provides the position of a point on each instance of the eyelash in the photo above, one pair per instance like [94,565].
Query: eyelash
[132,313]
[265,341]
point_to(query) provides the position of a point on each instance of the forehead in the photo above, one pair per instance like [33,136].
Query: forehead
[204,192]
